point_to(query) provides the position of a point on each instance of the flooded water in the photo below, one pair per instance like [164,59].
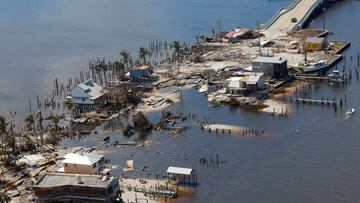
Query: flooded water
[46,39]
[310,156]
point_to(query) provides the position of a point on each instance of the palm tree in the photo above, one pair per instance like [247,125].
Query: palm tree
[119,69]
[2,153]
[143,53]
[4,198]
[177,50]
[11,138]
[55,119]
[30,125]
[3,129]
[69,106]
[4,137]
[30,122]
[125,57]
[40,120]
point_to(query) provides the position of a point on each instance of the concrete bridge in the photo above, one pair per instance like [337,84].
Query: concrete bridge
[282,23]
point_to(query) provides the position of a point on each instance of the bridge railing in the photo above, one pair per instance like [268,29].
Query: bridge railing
[301,22]
[279,13]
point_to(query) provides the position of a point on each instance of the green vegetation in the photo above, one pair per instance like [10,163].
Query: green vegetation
[143,53]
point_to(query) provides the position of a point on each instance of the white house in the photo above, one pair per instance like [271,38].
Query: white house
[246,83]
[237,85]
[255,81]
[84,163]
[86,93]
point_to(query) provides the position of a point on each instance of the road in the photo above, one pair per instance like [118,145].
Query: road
[283,24]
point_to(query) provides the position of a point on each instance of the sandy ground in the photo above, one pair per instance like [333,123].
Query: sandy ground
[235,130]
[155,96]
[276,106]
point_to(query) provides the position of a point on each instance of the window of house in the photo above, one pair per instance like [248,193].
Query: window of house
[83,99]
[65,164]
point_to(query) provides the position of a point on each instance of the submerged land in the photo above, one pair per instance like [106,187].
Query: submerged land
[261,69]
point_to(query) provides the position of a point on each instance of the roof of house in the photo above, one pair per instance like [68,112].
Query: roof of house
[140,67]
[61,179]
[179,170]
[253,79]
[92,89]
[82,158]
[235,82]
[318,40]
[236,32]
[273,59]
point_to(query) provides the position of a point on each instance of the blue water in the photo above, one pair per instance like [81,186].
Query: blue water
[44,39]
[312,156]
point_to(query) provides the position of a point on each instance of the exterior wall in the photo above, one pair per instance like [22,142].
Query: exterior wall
[79,96]
[85,169]
[138,74]
[280,70]
[100,101]
[259,85]
[79,193]
[314,46]
[80,169]
[82,101]
[266,68]
[273,70]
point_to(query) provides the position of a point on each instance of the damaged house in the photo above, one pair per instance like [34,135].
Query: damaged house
[238,34]
[275,67]
[246,84]
[84,163]
[87,95]
[59,187]
[141,73]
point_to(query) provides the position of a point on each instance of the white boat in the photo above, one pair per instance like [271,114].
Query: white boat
[316,67]
[350,111]
[335,73]
[336,77]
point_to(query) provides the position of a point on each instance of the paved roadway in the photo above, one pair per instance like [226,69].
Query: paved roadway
[283,24]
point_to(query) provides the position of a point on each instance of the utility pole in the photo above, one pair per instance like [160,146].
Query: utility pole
[218,22]
[258,28]
[324,11]
[305,53]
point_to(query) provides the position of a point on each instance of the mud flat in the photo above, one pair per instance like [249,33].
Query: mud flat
[233,130]
[276,107]
[157,101]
